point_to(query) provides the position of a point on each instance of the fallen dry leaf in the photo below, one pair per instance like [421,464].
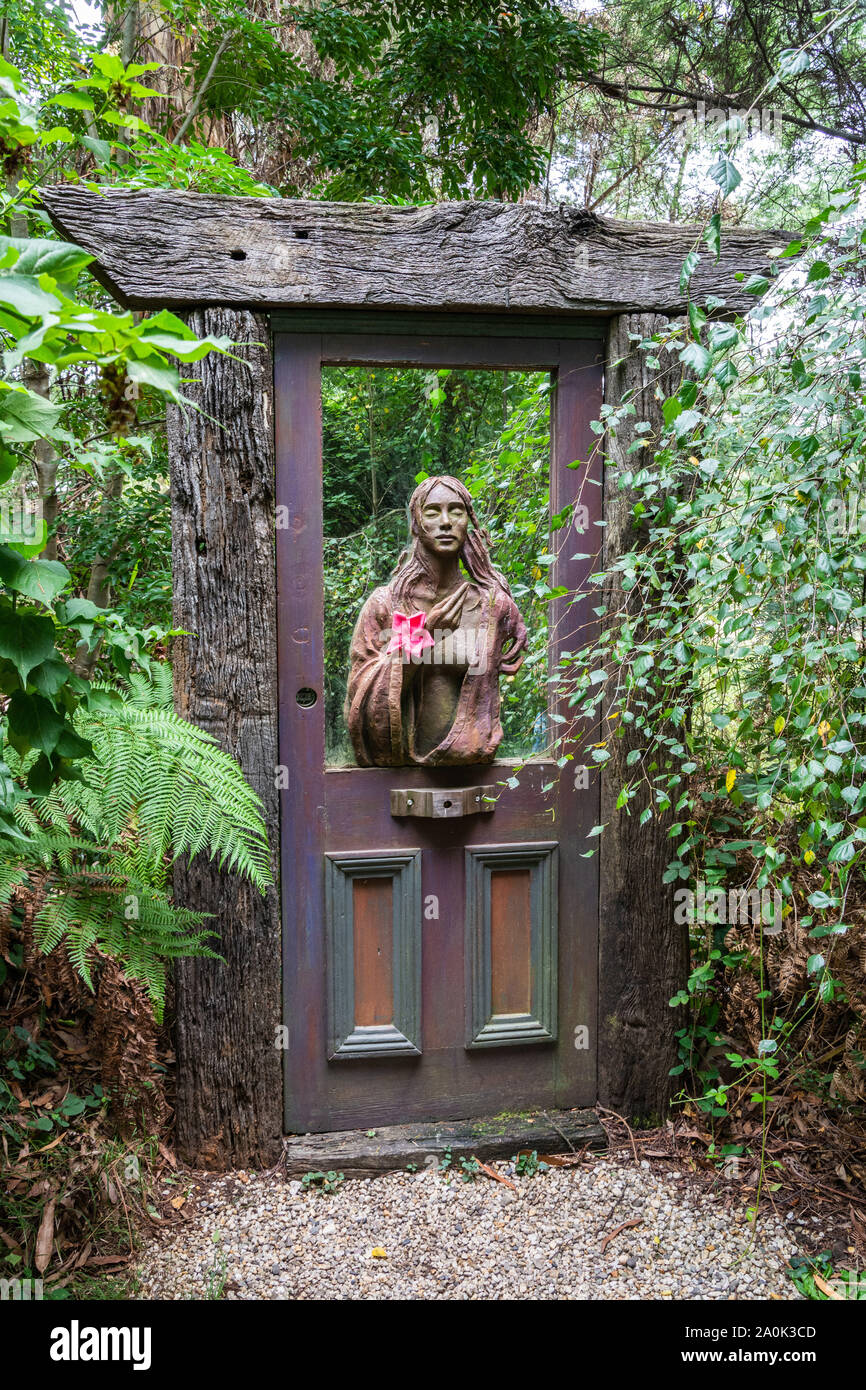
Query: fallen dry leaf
[492,1173]
[827,1288]
[45,1236]
[623,1226]
[53,1145]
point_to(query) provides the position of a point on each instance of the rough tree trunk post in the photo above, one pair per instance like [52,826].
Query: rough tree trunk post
[643,954]
[229,1090]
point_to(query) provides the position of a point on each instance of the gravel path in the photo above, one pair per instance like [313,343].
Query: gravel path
[258,1237]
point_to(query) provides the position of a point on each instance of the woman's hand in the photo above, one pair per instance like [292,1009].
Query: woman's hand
[513,659]
[445,614]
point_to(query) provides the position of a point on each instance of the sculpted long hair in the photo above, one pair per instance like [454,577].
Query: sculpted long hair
[414,564]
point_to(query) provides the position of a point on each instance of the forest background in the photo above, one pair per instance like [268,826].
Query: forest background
[737,657]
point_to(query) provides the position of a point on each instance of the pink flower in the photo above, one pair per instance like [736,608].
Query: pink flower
[410,636]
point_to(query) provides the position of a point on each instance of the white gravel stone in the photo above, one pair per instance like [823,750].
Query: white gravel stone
[446,1239]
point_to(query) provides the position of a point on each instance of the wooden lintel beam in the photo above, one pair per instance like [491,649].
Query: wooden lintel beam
[182,250]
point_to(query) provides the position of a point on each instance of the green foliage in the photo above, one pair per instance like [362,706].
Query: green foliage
[529,1165]
[22,1058]
[155,162]
[766,80]
[326,1183]
[736,660]
[99,846]
[399,99]
[99,790]
[841,1283]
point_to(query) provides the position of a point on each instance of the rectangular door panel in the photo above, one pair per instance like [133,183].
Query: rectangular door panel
[373,963]
[512,909]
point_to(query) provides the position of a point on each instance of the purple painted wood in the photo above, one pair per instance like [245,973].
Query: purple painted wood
[578,401]
[349,809]
[300,663]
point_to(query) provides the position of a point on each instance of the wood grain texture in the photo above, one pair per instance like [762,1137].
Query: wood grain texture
[510,942]
[643,954]
[373,929]
[169,248]
[359,1154]
[225,673]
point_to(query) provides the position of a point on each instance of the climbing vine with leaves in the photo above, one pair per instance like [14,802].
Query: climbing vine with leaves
[737,661]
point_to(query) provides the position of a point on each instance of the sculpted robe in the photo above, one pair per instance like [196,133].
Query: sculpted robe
[382,708]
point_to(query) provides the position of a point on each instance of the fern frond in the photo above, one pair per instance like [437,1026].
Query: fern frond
[156,788]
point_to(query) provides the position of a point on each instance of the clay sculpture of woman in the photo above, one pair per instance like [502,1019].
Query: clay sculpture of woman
[430,645]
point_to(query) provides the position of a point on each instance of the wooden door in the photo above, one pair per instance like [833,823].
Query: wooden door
[444,965]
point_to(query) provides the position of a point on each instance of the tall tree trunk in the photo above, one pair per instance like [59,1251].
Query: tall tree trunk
[36,376]
[644,954]
[229,1102]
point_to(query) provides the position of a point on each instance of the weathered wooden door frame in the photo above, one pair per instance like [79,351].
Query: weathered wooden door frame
[228,263]
[575,361]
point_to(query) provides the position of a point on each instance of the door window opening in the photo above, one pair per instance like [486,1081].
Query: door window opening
[386,429]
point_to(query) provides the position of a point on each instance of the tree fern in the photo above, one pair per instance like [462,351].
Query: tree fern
[156,788]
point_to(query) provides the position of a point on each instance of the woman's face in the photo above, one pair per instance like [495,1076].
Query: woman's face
[442,521]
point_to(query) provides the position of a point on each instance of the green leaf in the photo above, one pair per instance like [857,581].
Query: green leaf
[50,676]
[726,174]
[723,335]
[25,416]
[697,320]
[24,296]
[38,256]
[30,548]
[26,639]
[689,267]
[33,722]
[697,358]
[192,349]
[71,101]
[38,579]
[713,234]
[757,284]
[821,900]
[40,778]
[71,745]
[793,61]
[150,373]
[687,421]
[725,373]
[109,64]
[100,149]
